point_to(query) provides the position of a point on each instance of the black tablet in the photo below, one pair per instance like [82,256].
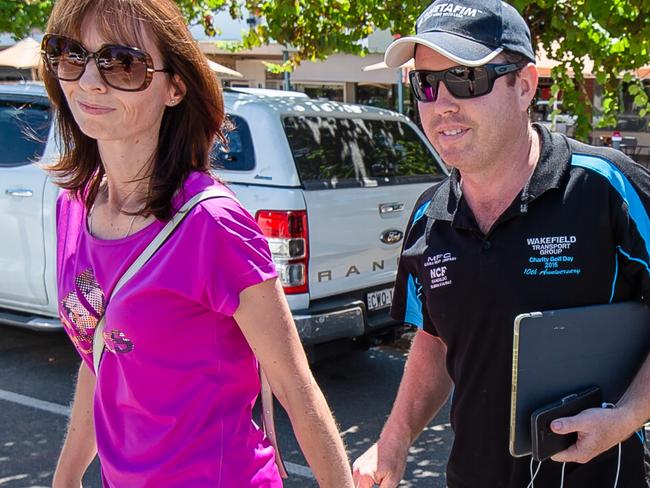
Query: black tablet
[557,353]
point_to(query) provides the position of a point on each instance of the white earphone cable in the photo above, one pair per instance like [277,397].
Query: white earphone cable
[533,476]
[618,466]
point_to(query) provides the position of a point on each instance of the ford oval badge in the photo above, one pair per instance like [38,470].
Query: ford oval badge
[392,236]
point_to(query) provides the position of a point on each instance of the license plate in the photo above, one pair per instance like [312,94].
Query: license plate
[379,299]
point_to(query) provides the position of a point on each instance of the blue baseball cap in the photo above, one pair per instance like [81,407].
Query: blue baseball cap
[469,32]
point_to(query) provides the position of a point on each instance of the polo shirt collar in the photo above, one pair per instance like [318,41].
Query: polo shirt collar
[552,167]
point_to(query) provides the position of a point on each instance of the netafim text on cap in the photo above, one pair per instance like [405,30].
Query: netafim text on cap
[448,10]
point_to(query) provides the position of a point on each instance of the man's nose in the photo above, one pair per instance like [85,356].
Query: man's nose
[445,101]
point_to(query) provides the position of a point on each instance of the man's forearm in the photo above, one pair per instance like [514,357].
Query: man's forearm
[635,403]
[424,389]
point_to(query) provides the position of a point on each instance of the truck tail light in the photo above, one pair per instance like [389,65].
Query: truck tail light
[286,231]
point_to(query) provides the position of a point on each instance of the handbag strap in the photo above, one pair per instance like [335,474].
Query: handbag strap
[268,421]
[266,393]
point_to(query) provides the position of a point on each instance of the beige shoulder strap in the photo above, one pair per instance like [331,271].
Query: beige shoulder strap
[149,251]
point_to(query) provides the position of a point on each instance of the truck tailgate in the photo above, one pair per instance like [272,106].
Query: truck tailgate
[345,247]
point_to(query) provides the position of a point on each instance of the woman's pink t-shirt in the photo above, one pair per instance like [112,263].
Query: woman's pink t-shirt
[177,383]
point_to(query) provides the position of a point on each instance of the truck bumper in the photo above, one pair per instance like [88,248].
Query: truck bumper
[326,320]
[339,319]
[29,321]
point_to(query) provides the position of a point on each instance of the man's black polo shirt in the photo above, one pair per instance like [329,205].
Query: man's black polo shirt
[577,234]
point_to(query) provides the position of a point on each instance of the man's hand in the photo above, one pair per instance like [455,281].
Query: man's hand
[598,429]
[418,400]
[379,466]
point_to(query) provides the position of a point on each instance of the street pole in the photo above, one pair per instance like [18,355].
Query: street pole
[286,84]
[400,90]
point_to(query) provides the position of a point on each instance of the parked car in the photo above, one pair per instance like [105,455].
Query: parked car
[331,185]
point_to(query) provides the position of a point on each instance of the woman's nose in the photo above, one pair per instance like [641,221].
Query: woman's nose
[91,79]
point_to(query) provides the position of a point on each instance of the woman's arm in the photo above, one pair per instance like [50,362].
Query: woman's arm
[266,322]
[80,447]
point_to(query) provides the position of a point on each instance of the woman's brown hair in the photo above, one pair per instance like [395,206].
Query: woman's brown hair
[188,129]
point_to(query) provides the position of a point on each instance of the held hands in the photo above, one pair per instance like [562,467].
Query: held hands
[381,465]
[598,429]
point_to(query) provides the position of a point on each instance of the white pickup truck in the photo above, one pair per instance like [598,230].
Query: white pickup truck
[331,185]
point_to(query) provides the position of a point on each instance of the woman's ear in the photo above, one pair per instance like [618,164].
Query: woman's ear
[177,90]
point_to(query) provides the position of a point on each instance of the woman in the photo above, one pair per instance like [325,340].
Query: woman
[171,405]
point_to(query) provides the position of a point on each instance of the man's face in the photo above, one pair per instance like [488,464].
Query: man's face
[469,133]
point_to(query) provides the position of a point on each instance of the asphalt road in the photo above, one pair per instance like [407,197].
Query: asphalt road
[360,388]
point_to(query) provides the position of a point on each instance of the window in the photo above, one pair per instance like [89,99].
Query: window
[629,119]
[333,152]
[24,128]
[238,153]
[334,93]
[375,94]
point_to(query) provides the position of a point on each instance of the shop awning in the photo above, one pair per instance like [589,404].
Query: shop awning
[382,65]
[545,64]
[220,68]
[343,68]
[25,54]
[643,72]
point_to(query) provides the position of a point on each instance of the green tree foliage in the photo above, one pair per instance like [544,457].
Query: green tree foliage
[18,17]
[615,34]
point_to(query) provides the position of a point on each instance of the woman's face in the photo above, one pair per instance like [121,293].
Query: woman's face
[107,114]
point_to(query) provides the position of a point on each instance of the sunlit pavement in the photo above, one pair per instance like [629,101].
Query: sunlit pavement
[360,388]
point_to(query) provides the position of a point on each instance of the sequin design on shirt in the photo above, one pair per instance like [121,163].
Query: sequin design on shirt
[82,309]
[117,342]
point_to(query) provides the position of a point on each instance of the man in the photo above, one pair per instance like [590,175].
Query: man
[465,270]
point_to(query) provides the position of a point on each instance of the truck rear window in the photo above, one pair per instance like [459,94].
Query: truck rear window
[332,152]
[24,128]
[238,153]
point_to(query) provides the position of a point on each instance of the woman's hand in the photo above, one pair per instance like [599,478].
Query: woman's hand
[383,464]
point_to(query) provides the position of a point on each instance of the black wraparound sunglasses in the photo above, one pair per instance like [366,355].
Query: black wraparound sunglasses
[121,67]
[460,81]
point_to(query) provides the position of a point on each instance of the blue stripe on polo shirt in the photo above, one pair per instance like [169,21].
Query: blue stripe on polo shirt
[622,185]
[413,313]
[631,258]
[611,297]
[420,212]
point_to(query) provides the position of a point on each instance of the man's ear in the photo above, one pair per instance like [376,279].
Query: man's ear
[528,79]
